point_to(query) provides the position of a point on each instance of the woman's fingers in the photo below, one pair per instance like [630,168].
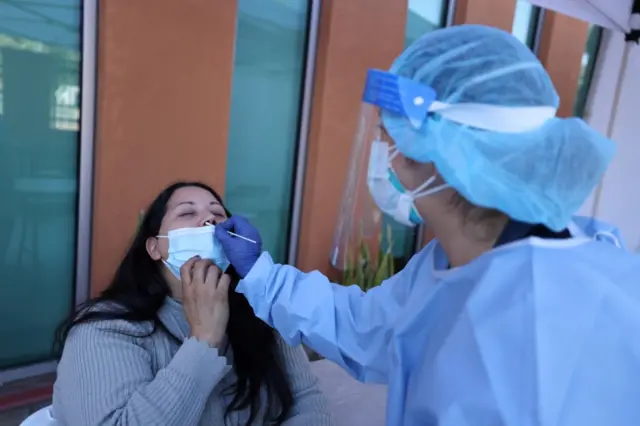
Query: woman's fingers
[202,276]
[222,292]
[186,271]
[200,271]
[206,302]
[212,277]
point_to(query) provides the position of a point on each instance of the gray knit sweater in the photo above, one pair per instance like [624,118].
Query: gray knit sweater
[106,377]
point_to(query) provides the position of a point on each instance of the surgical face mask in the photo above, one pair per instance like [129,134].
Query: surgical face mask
[388,192]
[185,243]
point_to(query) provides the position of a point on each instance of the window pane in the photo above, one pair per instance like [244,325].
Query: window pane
[525,21]
[422,17]
[587,68]
[39,113]
[265,108]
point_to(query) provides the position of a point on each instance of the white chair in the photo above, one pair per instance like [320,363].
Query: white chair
[42,417]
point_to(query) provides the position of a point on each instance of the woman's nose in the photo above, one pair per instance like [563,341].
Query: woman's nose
[208,220]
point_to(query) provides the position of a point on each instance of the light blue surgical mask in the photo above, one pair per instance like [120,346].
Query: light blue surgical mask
[185,243]
[388,192]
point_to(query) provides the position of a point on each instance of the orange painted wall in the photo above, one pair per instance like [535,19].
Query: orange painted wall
[164,88]
[165,71]
[354,35]
[496,13]
[562,45]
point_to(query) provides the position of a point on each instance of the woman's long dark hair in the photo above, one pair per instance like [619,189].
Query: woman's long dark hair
[139,288]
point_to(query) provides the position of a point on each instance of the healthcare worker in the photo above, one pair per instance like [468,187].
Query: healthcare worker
[516,313]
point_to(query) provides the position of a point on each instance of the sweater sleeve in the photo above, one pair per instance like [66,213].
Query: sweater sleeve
[310,406]
[105,378]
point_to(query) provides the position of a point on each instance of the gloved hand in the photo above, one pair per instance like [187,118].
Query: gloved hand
[242,254]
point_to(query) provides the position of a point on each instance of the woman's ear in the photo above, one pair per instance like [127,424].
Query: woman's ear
[152,248]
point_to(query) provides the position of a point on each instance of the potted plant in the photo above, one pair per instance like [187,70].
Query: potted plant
[366,270]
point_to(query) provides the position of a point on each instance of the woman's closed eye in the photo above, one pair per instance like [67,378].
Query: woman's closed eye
[216,214]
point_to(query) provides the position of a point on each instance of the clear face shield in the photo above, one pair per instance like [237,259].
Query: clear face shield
[377,220]
[376,206]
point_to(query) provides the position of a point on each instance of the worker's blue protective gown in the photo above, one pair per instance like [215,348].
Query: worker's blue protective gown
[535,332]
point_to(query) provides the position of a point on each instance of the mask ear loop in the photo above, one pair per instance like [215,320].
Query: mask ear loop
[164,261]
[393,153]
[424,190]
[431,191]
[420,191]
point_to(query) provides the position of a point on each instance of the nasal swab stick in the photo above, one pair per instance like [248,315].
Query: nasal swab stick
[235,235]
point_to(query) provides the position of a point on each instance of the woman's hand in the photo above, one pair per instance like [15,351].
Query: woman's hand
[205,299]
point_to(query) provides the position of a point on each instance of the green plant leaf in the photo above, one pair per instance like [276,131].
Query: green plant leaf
[382,272]
[367,269]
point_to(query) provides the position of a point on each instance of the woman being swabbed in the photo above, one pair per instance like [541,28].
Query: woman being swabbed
[169,342]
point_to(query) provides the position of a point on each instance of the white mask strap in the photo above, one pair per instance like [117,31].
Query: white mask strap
[424,190]
[431,191]
[415,192]
[393,153]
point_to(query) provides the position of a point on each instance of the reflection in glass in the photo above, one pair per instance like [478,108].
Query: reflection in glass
[587,69]
[265,108]
[39,123]
[525,21]
[422,17]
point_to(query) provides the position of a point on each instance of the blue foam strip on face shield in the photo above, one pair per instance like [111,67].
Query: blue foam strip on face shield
[398,95]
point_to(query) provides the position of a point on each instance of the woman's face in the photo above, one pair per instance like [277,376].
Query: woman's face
[188,207]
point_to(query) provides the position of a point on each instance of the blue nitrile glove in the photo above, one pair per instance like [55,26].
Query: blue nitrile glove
[242,254]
